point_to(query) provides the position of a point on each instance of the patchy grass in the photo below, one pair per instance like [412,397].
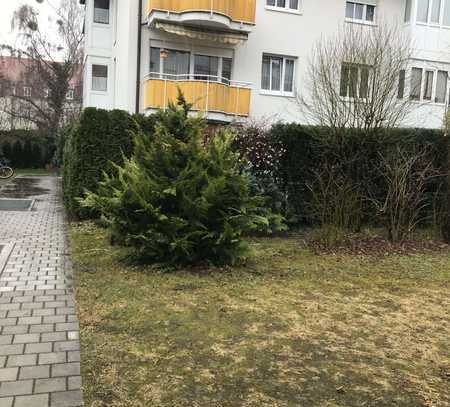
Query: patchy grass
[290,328]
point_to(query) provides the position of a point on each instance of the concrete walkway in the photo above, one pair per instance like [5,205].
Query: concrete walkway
[39,336]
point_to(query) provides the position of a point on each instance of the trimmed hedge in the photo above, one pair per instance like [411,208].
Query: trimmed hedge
[306,147]
[99,139]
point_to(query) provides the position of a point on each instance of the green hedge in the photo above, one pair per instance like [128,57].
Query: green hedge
[92,144]
[306,147]
[25,148]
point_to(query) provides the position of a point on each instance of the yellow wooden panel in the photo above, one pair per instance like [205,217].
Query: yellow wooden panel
[206,97]
[237,10]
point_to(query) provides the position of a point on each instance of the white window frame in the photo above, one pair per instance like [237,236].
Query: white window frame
[435,71]
[364,18]
[358,97]
[27,91]
[440,23]
[286,8]
[70,94]
[108,73]
[280,92]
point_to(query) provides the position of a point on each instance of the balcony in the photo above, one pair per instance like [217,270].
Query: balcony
[218,98]
[236,16]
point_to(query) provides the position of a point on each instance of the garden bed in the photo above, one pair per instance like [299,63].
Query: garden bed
[290,328]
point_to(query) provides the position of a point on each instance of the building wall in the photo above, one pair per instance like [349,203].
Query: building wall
[276,32]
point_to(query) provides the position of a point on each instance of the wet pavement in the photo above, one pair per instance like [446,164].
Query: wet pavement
[39,335]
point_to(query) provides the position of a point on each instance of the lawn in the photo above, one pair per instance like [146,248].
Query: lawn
[290,328]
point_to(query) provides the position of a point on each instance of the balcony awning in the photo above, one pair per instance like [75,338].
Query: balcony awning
[216,36]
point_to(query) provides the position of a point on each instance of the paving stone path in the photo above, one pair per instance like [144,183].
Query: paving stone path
[39,335]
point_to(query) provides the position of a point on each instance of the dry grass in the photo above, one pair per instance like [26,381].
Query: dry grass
[290,328]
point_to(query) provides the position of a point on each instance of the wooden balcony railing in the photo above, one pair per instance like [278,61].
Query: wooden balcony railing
[237,10]
[208,94]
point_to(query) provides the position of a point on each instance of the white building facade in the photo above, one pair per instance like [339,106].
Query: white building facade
[239,59]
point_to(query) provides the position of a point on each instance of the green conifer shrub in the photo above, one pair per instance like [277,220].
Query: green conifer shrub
[177,200]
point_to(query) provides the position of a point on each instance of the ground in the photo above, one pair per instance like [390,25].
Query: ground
[289,328]
[39,347]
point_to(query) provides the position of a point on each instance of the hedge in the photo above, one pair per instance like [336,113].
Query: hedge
[306,147]
[92,144]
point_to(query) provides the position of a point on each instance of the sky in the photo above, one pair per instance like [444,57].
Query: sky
[7,9]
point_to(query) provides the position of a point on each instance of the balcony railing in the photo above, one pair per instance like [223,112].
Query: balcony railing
[208,94]
[236,10]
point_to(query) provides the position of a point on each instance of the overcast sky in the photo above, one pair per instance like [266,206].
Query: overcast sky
[7,9]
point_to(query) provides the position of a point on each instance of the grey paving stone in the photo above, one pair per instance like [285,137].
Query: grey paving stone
[37,400]
[16,388]
[50,385]
[34,372]
[11,349]
[51,358]
[73,398]
[45,347]
[66,345]
[74,383]
[66,369]
[8,374]
[26,338]
[21,360]
[6,401]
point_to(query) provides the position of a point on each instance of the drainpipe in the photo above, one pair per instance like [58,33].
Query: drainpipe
[139,48]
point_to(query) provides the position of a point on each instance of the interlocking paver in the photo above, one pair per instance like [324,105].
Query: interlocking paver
[39,334]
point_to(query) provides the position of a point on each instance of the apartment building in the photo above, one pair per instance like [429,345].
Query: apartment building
[236,59]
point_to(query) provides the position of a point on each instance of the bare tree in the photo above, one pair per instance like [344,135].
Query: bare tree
[356,78]
[52,63]
[406,175]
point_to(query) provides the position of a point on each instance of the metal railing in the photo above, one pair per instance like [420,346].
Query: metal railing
[197,77]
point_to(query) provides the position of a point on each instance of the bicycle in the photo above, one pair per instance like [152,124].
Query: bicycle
[5,171]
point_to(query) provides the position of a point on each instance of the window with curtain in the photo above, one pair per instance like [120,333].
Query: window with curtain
[27,91]
[416,83]
[101,11]
[100,78]
[175,65]
[284,4]
[360,11]
[354,80]
[441,87]
[422,10]
[278,74]
[428,89]
[206,67]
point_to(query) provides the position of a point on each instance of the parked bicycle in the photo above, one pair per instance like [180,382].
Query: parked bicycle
[5,171]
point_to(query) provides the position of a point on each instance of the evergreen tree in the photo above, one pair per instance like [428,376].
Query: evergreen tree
[7,150]
[178,201]
[27,155]
[17,155]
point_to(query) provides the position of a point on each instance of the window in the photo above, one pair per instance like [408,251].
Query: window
[101,11]
[435,11]
[171,63]
[422,10]
[27,91]
[354,80]
[401,84]
[13,91]
[416,84]
[47,93]
[284,4]
[441,87]
[227,64]
[70,94]
[428,89]
[446,15]
[278,74]
[206,67]
[360,12]
[100,78]
[408,7]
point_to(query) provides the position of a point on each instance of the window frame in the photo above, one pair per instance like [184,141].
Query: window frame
[360,69]
[282,91]
[71,92]
[101,91]
[27,91]
[423,85]
[364,13]
[102,23]
[429,22]
[286,8]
